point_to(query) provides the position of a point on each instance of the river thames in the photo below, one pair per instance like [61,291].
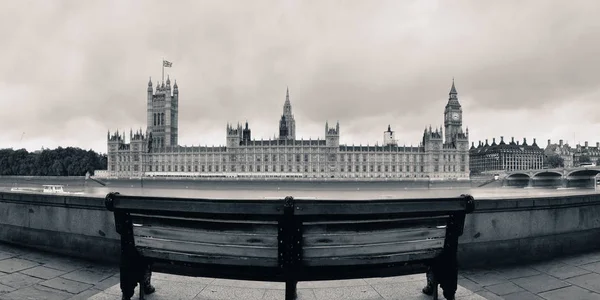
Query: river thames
[318,190]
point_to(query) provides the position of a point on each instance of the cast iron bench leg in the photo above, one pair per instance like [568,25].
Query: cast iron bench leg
[290,290]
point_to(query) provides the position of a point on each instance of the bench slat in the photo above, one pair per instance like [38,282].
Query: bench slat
[205,206]
[371,259]
[203,236]
[209,259]
[322,208]
[335,252]
[206,248]
[228,225]
[342,226]
[372,237]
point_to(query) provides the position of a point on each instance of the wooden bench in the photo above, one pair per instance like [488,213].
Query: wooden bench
[289,240]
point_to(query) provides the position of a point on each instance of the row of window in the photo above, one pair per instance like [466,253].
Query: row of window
[282,168]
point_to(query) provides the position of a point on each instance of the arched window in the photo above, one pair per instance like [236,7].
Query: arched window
[162,119]
[154,119]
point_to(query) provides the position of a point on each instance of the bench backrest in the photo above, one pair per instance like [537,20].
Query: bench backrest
[312,238]
[203,231]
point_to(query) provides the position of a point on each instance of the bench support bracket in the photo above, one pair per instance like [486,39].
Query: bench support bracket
[290,247]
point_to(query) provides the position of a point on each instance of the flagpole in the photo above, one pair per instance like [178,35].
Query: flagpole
[163,70]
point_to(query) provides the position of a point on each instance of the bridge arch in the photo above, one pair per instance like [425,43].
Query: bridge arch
[585,173]
[518,176]
[547,174]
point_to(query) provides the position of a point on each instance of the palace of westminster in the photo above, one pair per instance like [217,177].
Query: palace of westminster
[442,153]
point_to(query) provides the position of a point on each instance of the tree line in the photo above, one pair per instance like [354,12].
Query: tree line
[68,161]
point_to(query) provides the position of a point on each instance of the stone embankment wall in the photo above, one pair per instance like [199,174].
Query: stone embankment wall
[500,231]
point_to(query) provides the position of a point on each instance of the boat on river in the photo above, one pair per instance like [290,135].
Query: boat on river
[46,189]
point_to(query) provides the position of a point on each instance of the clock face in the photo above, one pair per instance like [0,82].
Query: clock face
[455,116]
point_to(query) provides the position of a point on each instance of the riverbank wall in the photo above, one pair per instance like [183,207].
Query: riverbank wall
[498,232]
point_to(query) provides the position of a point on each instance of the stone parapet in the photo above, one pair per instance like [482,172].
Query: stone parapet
[499,231]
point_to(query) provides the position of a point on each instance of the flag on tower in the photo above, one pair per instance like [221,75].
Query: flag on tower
[167,64]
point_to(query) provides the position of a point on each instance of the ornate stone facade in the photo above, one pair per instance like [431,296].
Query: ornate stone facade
[505,157]
[156,153]
[583,151]
[562,150]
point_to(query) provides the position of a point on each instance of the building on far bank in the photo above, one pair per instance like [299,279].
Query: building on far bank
[505,156]
[586,154]
[442,153]
[561,150]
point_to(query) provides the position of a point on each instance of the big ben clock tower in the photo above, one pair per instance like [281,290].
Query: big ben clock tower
[452,117]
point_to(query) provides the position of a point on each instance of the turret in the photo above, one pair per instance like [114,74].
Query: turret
[246,135]
[332,135]
[150,86]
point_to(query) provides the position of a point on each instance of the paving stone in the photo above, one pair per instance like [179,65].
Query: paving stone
[593,267]
[570,293]
[65,264]
[62,284]
[37,292]
[303,294]
[12,265]
[108,282]
[331,283]
[250,284]
[540,283]
[561,270]
[406,289]
[220,292]
[87,294]
[517,272]
[105,296]
[581,259]
[170,277]
[488,295]
[504,288]
[5,289]
[469,284]
[468,297]
[43,272]
[524,295]
[5,255]
[18,280]
[406,278]
[589,281]
[353,293]
[486,278]
[87,275]
[39,257]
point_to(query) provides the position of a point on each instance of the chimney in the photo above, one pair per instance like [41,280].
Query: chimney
[586,144]
[560,143]
[597,145]
[549,142]
[501,139]
[512,139]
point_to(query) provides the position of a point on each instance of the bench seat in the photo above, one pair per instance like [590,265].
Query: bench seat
[288,240]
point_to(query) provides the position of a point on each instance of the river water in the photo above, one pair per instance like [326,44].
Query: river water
[478,193]
[345,190]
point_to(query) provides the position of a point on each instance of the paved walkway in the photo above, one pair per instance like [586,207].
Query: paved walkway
[30,274]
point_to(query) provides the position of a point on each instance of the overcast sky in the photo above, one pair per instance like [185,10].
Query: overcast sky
[72,70]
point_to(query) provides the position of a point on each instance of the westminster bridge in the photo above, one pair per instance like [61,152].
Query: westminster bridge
[559,177]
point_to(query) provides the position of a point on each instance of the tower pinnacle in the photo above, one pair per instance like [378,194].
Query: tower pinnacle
[453,88]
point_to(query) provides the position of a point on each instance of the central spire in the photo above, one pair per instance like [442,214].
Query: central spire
[287,106]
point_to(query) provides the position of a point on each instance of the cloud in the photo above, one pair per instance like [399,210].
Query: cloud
[73,70]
